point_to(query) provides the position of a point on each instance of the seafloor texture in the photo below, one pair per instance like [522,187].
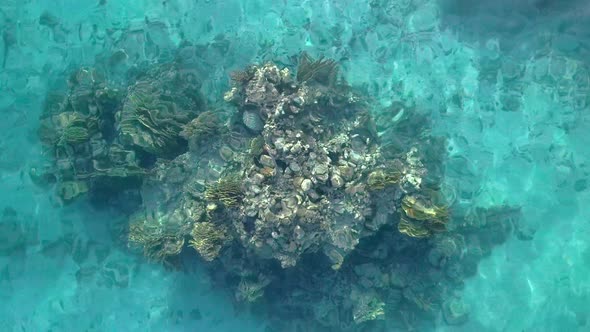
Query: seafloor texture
[506,84]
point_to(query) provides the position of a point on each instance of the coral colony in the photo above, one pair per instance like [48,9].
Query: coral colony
[297,199]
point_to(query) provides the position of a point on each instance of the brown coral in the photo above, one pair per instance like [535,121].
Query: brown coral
[323,71]
[207,124]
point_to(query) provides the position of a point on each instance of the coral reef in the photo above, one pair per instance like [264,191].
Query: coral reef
[304,178]
[296,197]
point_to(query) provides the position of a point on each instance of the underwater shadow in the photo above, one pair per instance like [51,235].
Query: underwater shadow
[521,27]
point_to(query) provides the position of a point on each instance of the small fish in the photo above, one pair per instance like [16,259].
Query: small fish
[49,20]
[9,39]
[118,57]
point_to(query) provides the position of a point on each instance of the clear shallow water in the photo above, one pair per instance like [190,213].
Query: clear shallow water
[506,83]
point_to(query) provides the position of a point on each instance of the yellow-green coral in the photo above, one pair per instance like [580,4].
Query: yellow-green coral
[208,239]
[421,218]
[420,209]
[382,178]
[157,242]
[227,190]
[65,128]
[412,229]
[74,135]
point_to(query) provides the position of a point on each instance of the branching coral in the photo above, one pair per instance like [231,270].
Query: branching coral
[208,239]
[78,131]
[157,241]
[307,172]
[322,71]
[227,190]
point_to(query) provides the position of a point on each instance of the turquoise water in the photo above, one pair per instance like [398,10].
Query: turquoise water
[507,84]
